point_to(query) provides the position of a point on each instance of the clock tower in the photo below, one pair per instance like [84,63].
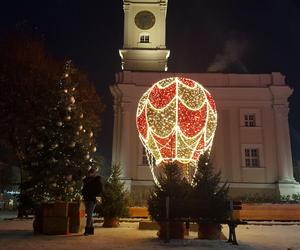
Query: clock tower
[144,47]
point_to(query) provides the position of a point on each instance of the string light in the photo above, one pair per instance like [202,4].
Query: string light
[176,120]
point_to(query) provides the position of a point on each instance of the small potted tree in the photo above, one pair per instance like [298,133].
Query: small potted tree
[115,199]
[174,186]
[208,200]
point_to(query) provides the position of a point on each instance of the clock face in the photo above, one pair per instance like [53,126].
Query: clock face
[144,20]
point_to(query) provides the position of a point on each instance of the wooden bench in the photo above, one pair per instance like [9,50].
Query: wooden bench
[233,221]
[232,224]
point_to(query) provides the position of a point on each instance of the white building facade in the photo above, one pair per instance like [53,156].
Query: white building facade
[252,143]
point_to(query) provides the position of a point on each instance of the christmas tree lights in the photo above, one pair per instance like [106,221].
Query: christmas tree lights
[62,145]
[176,120]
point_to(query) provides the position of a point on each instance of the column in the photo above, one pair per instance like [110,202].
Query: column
[284,156]
[125,142]
[117,123]
[116,135]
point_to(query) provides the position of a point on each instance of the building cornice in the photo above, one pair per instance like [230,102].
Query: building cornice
[144,78]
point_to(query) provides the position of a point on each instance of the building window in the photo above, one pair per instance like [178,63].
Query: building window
[252,156]
[250,120]
[144,39]
[250,117]
[144,157]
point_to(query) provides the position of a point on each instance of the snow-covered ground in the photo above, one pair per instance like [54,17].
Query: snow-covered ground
[7,214]
[18,234]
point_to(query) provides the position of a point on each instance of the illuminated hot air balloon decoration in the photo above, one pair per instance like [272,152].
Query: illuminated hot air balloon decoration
[176,120]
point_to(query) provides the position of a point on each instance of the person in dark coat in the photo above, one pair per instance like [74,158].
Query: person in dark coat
[91,191]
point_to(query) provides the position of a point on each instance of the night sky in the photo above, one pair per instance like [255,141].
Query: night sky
[248,36]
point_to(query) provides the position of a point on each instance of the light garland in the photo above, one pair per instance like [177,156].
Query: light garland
[176,120]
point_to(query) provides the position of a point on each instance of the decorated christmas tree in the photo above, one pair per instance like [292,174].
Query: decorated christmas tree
[61,146]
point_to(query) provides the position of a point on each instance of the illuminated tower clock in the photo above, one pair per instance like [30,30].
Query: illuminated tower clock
[144,47]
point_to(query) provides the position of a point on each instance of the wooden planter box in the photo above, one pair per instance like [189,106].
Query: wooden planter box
[209,231]
[267,211]
[55,225]
[60,218]
[55,218]
[76,213]
[177,230]
[111,222]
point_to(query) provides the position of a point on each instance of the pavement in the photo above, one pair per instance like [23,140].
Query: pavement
[17,234]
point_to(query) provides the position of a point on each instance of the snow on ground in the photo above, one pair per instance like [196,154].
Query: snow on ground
[7,214]
[17,234]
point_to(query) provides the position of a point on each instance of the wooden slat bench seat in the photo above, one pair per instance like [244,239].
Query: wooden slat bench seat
[233,221]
